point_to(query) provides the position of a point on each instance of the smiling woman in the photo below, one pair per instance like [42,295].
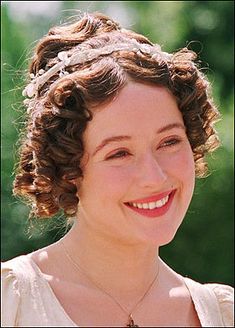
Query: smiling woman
[117,131]
[141,161]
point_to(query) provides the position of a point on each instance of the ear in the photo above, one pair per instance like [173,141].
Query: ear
[77,183]
[74,181]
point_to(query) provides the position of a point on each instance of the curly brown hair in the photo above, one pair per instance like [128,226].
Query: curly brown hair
[52,147]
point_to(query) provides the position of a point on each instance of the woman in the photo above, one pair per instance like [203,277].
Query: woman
[117,131]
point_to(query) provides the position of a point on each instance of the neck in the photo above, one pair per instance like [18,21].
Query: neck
[121,269]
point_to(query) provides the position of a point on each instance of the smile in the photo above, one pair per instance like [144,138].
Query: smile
[151,205]
[154,206]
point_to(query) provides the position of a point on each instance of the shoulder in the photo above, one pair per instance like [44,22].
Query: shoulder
[225,297]
[17,270]
[224,293]
[216,300]
[10,293]
[17,275]
[13,273]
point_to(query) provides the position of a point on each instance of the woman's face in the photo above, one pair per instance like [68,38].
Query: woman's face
[139,175]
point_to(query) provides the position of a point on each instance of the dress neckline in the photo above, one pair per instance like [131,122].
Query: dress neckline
[49,288]
[189,283]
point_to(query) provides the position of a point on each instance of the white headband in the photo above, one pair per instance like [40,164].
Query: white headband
[83,55]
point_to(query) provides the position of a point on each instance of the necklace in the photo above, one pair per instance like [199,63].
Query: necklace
[130,322]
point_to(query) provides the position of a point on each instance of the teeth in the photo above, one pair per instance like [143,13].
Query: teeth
[151,205]
[159,203]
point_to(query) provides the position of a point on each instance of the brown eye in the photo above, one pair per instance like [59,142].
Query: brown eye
[170,142]
[119,154]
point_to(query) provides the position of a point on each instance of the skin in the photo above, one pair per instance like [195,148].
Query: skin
[148,163]
[117,246]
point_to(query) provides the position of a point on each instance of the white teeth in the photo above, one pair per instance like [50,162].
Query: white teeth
[151,205]
[165,200]
[159,203]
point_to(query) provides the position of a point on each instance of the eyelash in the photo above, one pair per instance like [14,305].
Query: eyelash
[120,154]
[171,142]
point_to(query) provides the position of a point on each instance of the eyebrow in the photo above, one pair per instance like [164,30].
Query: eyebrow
[171,126]
[124,137]
[109,140]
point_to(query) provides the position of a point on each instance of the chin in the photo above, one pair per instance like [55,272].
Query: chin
[158,239]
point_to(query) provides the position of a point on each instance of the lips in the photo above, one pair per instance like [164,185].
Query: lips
[153,206]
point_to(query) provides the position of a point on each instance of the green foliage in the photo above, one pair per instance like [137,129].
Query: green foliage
[202,247]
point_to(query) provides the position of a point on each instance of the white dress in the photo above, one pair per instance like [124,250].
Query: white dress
[29,301]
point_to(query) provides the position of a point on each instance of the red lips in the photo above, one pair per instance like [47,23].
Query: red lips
[156,212]
[154,198]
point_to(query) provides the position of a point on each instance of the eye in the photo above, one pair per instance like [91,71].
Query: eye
[118,154]
[170,142]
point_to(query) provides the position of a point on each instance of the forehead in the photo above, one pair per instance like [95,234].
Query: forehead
[138,108]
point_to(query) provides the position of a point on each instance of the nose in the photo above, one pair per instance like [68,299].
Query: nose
[151,174]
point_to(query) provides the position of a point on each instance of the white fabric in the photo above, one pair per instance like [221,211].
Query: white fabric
[81,55]
[29,301]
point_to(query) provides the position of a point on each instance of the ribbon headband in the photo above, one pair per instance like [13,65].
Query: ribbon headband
[84,55]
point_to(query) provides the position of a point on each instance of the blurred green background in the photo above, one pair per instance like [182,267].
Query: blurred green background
[203,246]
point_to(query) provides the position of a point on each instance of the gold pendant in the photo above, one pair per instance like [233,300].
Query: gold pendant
[131,322]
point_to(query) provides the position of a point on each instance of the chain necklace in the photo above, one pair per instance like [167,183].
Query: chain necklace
[130,322]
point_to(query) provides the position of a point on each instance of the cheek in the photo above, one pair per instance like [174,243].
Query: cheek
[181,166]
[105,182]
[184,169]
[185,166]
